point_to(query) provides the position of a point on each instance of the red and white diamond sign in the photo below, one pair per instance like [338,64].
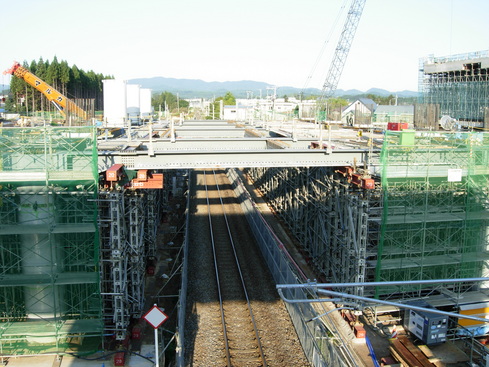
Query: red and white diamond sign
[155,316]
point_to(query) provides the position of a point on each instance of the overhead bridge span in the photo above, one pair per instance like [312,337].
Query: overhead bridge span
[219,144]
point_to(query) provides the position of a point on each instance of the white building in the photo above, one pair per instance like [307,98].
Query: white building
[270,109]
[115,102]
[145,107]
[133,103]
[125,102]
[237,112]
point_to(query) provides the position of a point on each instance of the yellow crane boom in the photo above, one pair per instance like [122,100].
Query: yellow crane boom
[62,103]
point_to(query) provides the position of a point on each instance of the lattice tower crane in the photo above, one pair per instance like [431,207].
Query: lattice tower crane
[342,50]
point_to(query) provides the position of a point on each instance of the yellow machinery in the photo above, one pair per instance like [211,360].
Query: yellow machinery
[65,106]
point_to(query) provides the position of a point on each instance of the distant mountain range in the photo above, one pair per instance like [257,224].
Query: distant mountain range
[196,88]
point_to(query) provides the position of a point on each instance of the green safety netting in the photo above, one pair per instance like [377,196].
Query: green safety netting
[49,248]
[435,221]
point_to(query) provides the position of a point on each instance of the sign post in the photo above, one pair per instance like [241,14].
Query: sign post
[155,316]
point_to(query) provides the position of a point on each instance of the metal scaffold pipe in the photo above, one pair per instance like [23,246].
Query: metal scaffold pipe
[341,296]
[379,284]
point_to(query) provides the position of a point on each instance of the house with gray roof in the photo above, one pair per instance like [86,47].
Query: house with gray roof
[359,112]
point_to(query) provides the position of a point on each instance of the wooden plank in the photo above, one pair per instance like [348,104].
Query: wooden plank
[415,351]
[402,354]
[407,353]
[426,351]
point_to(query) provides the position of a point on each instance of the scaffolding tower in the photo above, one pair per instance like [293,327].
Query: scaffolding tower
[459,84]
[327,214]
[435,217]
[425,217]
[49,273]
[128,221]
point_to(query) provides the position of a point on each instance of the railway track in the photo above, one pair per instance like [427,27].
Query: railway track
[239,331]
[235,318]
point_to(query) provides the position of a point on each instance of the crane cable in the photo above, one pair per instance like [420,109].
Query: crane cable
[325,43]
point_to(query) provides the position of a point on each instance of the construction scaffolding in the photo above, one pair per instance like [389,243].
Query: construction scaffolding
[49,273]
[128,220]
[435,219]
[327,214]
[426,216]
[459,84]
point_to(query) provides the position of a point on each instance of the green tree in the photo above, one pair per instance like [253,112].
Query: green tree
[53,73]
[17,91]
[215,108]
[168,100]
[42,68]
[64,76]
[32,103]
[335,103]
[75,83]
[70,81]
[381,100]
[335,106]
[229,99]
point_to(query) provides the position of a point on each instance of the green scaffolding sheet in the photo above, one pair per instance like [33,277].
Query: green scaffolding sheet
[435,221]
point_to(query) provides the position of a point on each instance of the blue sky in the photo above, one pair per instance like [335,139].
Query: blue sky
[274,41]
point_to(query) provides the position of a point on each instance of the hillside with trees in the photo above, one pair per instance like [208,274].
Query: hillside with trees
[169,101]
[71,81]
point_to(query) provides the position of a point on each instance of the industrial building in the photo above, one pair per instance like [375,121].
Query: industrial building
[125,102]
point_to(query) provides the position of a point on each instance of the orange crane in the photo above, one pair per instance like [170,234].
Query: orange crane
[62,103]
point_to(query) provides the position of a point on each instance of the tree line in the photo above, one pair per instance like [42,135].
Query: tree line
[70,81]
[169,101]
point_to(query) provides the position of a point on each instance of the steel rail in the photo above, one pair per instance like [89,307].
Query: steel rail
[221,306]
[240,273]
[260,348]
